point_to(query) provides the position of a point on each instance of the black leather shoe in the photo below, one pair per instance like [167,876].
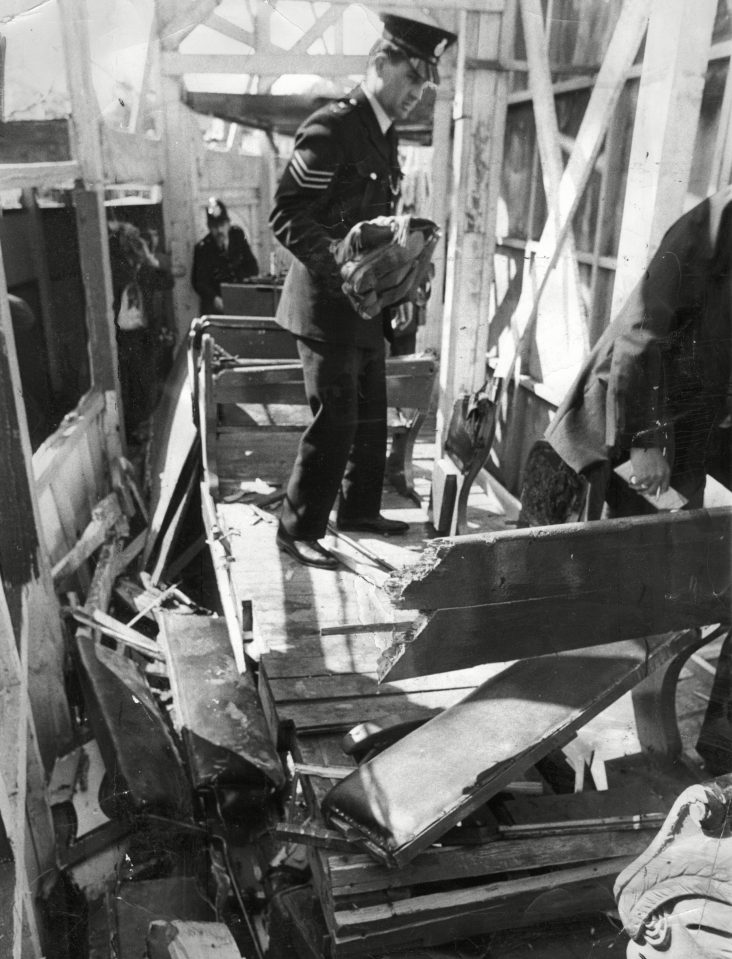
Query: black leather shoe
[375,524]
[309,552]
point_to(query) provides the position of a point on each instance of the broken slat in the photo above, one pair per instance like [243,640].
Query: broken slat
[634,558]
[357,874]
[217,709]
[457,913]
[414,791]
[106,514]
[120,632]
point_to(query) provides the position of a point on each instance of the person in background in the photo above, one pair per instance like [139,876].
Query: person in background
[344,169]
[655,390]
[129,257]
[222,256]
[156,279]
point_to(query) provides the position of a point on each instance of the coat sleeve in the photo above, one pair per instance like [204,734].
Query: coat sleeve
[668,294]
[300,194]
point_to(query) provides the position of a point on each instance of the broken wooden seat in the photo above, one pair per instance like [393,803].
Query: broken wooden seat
[222,385]
[675,899]
[544,589]
[144,770]
[409,795]
[217,711]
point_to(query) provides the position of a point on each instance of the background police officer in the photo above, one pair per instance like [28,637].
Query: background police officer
[344,169]
[222,256]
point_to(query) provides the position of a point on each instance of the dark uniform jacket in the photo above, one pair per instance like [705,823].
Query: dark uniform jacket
[213,266]
[660,374]
[343,170]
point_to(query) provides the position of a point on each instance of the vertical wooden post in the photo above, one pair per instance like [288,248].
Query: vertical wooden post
[533,314]
[33,606]
[184,222]
[429,335]
[561,328]
[480,116]
[666,118]
[24,808]
[90,216]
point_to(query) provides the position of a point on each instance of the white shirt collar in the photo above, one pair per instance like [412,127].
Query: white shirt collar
[382,118]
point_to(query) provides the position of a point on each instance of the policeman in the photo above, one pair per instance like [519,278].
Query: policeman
[222,256]
[344,169]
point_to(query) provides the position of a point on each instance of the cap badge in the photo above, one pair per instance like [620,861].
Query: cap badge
[440,48]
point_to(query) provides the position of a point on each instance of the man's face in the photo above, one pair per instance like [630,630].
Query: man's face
[220,233]
[398,87]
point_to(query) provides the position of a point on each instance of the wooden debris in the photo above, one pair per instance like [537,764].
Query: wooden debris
[105,515]
[119,631]
[312,834]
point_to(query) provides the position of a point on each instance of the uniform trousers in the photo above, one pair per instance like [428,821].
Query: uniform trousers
[345,444]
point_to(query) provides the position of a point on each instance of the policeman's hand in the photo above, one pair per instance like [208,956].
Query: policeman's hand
[650,470]
[218,305]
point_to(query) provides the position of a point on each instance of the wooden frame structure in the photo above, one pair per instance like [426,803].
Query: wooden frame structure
[482,90]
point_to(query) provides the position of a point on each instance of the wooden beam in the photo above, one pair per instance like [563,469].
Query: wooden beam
[26,574]
[561,316]
[263,64]
[14,717]
[538,590]
[89,199]
[106,514]
[20,175]
[316,30]
[480,114]
[85,113]
[231,30]
[97,274]
[669,100]
[611,79]
[178,24]
[415,790]
[439,200]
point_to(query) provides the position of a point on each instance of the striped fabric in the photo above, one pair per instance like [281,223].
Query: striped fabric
[306,178]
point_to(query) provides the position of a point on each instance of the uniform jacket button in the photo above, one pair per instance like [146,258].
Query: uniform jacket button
[372,175]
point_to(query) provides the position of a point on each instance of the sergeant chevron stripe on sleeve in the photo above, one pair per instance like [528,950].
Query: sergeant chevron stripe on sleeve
[307,178]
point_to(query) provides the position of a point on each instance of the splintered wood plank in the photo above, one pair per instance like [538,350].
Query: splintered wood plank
[355,874]
[439,917]
[541,590]
[620,557]
[415,790]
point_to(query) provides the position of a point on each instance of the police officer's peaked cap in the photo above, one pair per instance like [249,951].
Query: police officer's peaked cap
[216,211]
[422,42]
